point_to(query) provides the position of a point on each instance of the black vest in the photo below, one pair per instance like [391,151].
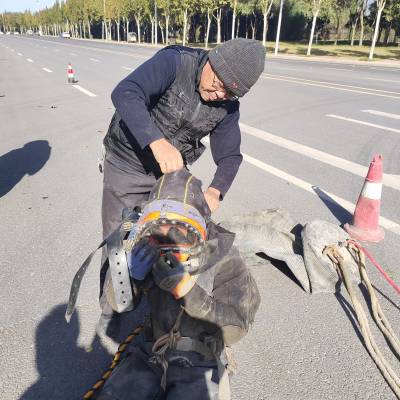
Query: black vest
[179,113]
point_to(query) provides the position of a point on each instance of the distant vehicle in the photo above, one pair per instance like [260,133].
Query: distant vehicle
[132,37]
[16,33]
[29,32]
[65,35]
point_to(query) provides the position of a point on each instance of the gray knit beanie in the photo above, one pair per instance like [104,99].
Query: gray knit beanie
[238,64]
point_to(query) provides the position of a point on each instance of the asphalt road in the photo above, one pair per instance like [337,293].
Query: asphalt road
[333,117]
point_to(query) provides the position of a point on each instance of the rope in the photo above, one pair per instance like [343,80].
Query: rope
[117,358]
[164,342]
[334,254]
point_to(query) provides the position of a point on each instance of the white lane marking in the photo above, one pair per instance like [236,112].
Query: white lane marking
[83,90]
[56,50]
[100,50]
[45,47]
[341,69]
[384,222]
[383,80]
[382,114]
[6,47]
[94,59]
[392,181]
[73,54]
[29,60]
[285,68]
[127,68]
[20,54]
[356,121]
[12,50]
[330,85]
[47,70]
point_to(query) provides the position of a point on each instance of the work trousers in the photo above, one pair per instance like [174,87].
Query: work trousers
[121,188]
[138,378]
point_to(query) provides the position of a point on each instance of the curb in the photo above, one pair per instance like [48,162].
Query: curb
[324,59]
[336,60]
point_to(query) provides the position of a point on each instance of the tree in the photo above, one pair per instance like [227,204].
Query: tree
[355,10]
[315,8]
[380,4]
[265,6]
[340,13]
[139,9]
[390,16]
[362,14]
[278,29]
[218,6]
[207,8]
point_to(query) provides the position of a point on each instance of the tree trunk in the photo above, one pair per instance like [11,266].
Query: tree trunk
[378,20]
[353,31]
[265,29]
[162,32]
[337,32]
[184,26]
[253,28]
[127,27]
[89,29]
[360,42]
[387,34]
[278,29]
[314,21]
[208,28]
[138,28]
[233,19]
[84,30]
[247,26]
[118,26]
[219,14]
[237,27]
[166,29]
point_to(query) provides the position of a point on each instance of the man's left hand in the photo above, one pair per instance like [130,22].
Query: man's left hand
[212,198]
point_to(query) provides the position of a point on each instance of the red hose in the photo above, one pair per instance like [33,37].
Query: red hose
[380,269]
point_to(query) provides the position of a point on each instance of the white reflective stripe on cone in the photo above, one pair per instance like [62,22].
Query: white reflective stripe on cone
[372,190]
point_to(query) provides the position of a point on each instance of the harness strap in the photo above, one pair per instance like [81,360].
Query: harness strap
[113,238]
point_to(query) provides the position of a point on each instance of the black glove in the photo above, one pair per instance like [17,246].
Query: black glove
[171,275]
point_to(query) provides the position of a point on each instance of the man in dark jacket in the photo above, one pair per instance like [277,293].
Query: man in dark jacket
[201,298]
[163,110]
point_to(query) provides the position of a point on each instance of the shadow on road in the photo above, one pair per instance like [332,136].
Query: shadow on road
[66,371]
[27,160]
[340,213]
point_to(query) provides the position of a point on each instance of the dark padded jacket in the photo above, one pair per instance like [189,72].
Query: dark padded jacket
[223,302]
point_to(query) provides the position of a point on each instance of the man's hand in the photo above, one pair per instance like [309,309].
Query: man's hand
[168,156]
[212,198]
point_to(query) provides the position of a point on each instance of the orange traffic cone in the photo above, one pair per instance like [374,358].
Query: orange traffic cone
[70,73]
[365,225]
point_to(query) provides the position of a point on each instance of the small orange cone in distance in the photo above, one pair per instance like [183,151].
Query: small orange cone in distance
[365,225]
[70,73]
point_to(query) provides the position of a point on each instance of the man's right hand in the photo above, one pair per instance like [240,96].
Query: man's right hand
[168,156]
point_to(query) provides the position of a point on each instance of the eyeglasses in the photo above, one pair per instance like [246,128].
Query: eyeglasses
[219,87]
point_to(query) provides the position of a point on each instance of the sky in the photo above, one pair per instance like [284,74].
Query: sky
[22,5]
